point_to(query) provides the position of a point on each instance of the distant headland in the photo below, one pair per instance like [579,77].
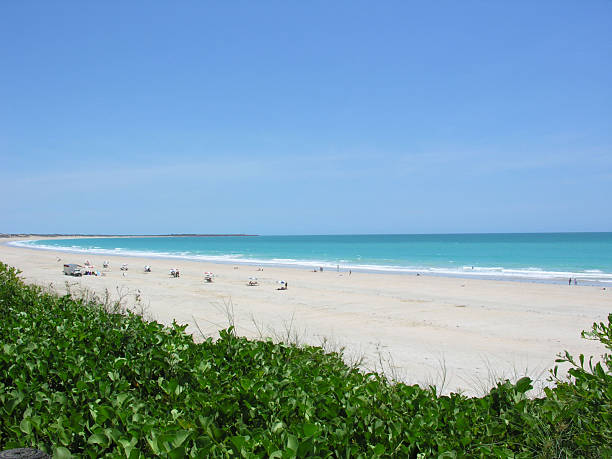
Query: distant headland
[7,235]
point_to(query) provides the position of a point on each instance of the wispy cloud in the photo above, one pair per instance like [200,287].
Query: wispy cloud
[332,165]
[211,169]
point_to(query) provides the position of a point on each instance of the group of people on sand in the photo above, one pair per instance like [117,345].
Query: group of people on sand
[569,282]
[174,272]
[89,269]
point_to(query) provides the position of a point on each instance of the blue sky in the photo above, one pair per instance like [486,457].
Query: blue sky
[305,117]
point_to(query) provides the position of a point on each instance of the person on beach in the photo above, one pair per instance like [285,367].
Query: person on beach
[569,282]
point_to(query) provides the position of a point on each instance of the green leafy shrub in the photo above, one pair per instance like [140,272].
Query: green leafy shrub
[78,380]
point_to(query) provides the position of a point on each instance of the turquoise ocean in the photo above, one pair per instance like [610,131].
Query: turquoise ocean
[543,257]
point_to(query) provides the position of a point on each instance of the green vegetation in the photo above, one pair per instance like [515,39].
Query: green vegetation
[78,379]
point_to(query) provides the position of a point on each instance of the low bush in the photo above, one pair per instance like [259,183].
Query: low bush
[78,380]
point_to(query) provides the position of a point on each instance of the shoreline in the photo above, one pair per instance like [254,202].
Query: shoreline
[422,329]
[482,273]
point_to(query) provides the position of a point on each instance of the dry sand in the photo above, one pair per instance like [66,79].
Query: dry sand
[413,326]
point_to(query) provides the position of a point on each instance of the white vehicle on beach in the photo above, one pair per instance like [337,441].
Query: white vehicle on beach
[72,269]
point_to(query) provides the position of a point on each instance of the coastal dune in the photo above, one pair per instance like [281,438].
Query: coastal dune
[458,334]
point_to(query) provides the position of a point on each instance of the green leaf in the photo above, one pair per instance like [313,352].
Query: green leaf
[128,445]
[177,453]
[62,453]
[97,439]
[523,385]
[153,444]
[26,426]
[310,429]
[246,384]
[277,427]
[63,437]
[238,441]
[121,398]
[180,437]
[215,433]
[292,443]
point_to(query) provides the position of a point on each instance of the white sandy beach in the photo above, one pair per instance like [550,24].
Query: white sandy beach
[415,325]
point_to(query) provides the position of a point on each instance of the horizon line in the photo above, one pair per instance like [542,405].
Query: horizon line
[9,235]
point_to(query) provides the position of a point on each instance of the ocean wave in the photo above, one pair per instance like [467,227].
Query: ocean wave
[483,269]
[530,273]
